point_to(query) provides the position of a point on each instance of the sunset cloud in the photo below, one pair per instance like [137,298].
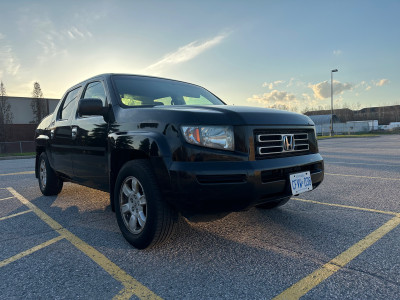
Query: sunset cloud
[272,85]
[381,82]
[275,97]
[322,90]
[185,53]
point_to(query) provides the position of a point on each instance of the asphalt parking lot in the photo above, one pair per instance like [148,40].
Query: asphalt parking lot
[340,241]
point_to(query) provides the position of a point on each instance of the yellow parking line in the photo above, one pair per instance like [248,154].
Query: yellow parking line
[359,176]
[18,173]
[303,286]
[14,215]
[7,198]
[129,283]
[30,251]
[348,206]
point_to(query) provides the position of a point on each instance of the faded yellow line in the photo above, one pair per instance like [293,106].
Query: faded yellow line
[359,176]
[306,284]
[130,284]
[348,206]
[30,251]
[364,164]
[7,198]
[19,173]
[15,215]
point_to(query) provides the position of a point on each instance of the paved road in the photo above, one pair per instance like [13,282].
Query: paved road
[340,241]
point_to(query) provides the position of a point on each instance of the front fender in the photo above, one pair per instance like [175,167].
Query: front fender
[152,144]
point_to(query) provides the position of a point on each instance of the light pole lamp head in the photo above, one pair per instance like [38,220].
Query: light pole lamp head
[334,70]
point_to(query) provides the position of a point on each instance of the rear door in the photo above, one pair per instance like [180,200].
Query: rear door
[62,136]
[90,143]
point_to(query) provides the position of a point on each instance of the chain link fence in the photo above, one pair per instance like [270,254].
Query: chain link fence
[17,147]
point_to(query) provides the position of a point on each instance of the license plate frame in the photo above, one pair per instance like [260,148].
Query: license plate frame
[300,182]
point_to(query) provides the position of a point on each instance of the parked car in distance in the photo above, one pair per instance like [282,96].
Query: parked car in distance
[164,148]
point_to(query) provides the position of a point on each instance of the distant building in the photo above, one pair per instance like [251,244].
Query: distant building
[22,127]
[22,110]
[324,119]
[384,114]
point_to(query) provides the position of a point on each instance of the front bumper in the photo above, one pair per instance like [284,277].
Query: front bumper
[217,187]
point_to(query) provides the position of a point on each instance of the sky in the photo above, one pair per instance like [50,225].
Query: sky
[254,53]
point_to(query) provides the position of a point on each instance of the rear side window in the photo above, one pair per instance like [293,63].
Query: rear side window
[95,90]
[68,105]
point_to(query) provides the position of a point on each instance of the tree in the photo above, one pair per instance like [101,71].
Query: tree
[6,115]
[38,104]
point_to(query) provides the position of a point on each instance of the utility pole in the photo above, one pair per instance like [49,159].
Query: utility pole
[332,71]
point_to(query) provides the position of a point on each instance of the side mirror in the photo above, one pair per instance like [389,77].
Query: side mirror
[91,107]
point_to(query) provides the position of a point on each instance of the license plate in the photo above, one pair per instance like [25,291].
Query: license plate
[300,182]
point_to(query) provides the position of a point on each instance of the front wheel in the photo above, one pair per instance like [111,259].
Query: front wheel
[50,184]
[143,216]
[273,204]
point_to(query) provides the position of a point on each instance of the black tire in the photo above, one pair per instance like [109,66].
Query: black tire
[273,204]
[50,184]
[143,216]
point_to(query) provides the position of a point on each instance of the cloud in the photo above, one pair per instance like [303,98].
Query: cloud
[373,83]
[185,53]
[274,98]
[70,34]
[9,62]
[381,82]
[322,90]
[74,33]
[272,85]
[337,52]
[296,83]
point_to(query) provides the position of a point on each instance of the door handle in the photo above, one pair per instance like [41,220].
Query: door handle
[74,132]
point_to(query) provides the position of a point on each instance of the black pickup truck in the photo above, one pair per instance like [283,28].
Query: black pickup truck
[165,148]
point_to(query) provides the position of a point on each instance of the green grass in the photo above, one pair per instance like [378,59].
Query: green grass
[17,154]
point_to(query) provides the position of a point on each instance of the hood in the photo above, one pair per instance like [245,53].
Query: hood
[218,115]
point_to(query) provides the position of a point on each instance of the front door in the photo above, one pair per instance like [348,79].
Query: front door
[89,157]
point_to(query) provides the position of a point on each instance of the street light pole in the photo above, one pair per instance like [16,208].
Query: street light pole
[334,70]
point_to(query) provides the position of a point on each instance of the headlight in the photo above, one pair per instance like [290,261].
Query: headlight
[219,137]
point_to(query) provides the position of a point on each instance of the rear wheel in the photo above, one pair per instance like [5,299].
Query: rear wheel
[143,216]
[273,204]
[50,184]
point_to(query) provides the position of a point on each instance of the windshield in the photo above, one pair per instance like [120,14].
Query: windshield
[139,91]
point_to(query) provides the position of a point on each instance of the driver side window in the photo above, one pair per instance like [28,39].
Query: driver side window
[95,90]
[68,105]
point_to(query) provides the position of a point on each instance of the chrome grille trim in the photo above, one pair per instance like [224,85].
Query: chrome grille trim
[274,143]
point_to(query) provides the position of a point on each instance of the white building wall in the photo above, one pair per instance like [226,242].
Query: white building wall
[22,110]
[344,128]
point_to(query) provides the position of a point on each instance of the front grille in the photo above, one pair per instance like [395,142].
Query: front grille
[278,143]
[282,143]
